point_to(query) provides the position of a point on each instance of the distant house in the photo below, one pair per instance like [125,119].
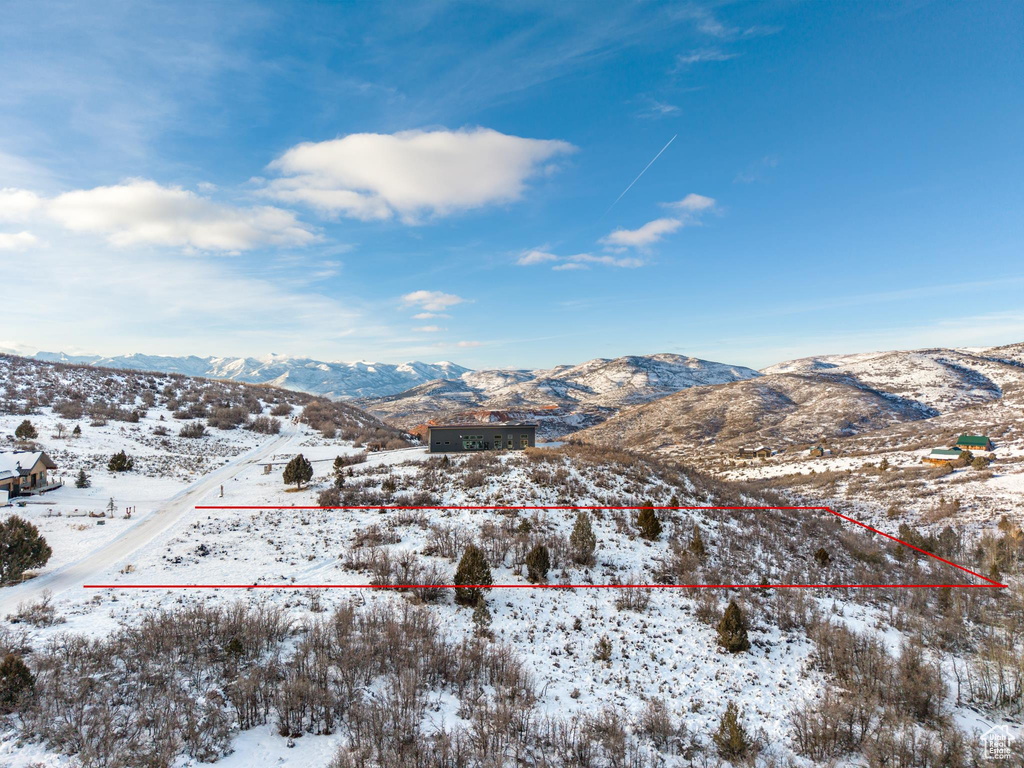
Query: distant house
[745,453]
[483,436]
[942,456]
[973,443]
[819,451]
[763,452]
[24,472]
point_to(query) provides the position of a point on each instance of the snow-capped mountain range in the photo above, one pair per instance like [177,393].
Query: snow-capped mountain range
[563,398]
[341,380]
[832,396]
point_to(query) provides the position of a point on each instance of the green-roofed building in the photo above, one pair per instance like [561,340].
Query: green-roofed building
[974,443]
[942,456]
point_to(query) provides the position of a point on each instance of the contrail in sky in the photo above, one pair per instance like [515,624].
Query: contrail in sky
[634,181]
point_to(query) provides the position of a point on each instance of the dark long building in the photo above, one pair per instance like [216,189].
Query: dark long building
[492,436]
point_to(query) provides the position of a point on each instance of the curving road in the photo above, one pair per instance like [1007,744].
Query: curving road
[92,566]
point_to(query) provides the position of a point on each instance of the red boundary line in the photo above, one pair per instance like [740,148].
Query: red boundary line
[990,583]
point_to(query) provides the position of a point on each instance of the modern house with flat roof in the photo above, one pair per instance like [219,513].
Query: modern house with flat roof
[482,436]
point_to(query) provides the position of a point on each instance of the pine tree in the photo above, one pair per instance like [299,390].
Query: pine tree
[582,541]
[731,737]
[26,431]
[16,682]
[537,564]
[298,471]
[648,523]
[481,617]
[121,462]
[82,481]
[732,630]
[77,431]
[822,557]
[339,465]
[697,548]
[21,548]
[472,570]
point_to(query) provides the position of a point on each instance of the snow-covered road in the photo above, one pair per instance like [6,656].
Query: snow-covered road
[92,567]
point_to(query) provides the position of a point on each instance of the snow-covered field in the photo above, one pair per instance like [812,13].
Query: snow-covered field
[666,651]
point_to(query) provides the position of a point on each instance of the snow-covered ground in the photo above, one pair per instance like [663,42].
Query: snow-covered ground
[666,651]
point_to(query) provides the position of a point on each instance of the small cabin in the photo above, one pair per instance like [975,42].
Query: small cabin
[973,443]
[819,451]
[25,472]
[942,456]
[763,452]
[745,453]
[483,436]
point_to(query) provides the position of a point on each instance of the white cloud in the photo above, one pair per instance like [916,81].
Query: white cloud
[428,328]
[432,301]
[655,108]
[17,241]
[429,315]
[648,234]
[142,211]
[411,173]
[692,203]
[628,262]
[466,344]
[584,260]
[757,170]
[17,204]
[701,55]
[153,301]
[535,256]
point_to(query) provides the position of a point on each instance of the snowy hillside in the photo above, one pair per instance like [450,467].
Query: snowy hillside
[939,380]
[330,379]
[636,677]
[827,397]
[282,674]
[562,399]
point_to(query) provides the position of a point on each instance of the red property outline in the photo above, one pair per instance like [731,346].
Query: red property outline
[989,583]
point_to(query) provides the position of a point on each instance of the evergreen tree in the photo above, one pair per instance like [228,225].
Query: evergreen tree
[648,523]
[121,462]
[26,431]
[731,737]
[16,682]
[482,617]
[822,557]
[697,548]
[472,570]
[732,630]
[21,548]
[537,564]
[582,541]
[298,471]
[77,431]
[82,481]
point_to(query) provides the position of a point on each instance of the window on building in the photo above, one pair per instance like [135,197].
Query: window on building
[524,441]
[497,441]
[510,442]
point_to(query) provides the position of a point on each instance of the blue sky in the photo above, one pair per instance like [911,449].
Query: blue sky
[397,181]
